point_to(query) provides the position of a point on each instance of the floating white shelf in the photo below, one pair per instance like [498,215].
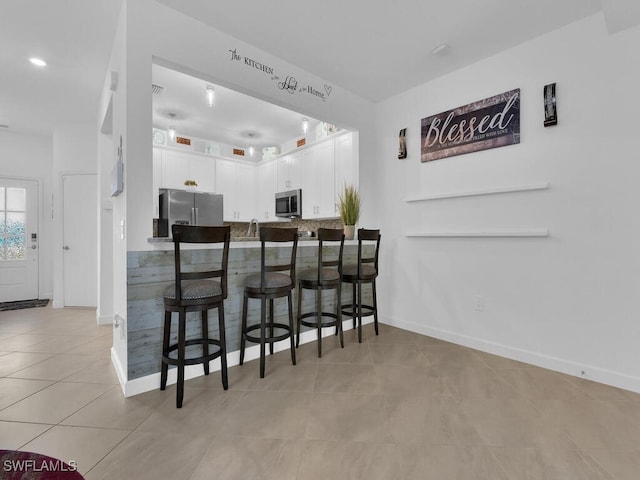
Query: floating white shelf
[473,193]
[515,232]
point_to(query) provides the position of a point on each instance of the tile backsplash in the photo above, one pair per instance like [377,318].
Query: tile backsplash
[240,229]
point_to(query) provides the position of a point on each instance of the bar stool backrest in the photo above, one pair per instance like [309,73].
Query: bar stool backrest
[280,235]
[330,235]
[201,234]
[365,235]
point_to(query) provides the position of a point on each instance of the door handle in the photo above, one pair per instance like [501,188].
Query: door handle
[66,247]
[33,247]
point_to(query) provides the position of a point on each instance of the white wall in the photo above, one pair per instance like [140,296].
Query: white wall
[565,302]
[74,151]
[113,104]
[30,157]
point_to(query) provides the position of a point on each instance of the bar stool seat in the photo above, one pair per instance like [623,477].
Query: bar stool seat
[327,276]
[350,272]
[363,272]
[272,280]
[270,284]
[195,291]
[310,275]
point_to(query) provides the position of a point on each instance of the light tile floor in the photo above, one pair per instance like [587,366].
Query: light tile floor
[397,406]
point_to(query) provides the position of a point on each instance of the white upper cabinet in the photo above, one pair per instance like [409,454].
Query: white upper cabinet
[346,161]
[176,167]
[318,181]
[289,172]
[237,183]
[267,187]
[321,170]
[202,170]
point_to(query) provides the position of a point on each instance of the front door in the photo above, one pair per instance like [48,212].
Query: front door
[18,240]
[80,245]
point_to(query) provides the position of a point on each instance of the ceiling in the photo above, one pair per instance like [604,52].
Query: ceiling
[235,119]
[373,49]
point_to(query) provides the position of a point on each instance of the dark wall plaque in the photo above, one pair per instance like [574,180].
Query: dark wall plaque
[489,123]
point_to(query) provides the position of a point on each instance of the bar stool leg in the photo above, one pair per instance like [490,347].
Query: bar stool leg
[182,323]
[293,350]
[244,328]
[354,311]
[223,347]
[375,306]
[205,344]
[359,312]
[319,320]
[166,336]
[263,320]
[339,314]
[271,325]
[299,317]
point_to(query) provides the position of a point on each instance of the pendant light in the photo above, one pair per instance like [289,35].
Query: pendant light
[172,129]
[251,135]
[211,95]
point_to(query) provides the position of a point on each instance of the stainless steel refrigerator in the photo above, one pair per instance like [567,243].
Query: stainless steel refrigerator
[188,208]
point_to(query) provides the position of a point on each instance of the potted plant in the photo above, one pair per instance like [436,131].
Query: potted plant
[349,208]
[191,185]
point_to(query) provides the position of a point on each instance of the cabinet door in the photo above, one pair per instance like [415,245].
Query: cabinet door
[325,181]
[309,184]
[267,187]
[202,170]
[225,184]
[290,172]
[295,170]
[346,162]
[283,173]
[246,192]
[174,170]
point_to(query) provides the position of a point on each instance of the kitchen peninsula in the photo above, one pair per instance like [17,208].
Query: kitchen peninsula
[149,272]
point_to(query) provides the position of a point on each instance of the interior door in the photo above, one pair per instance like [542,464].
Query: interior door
[18,240]
[80,235]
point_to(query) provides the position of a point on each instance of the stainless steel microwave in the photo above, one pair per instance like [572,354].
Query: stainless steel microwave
[289,204]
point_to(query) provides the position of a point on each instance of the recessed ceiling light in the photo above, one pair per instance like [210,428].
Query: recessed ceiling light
[38,62]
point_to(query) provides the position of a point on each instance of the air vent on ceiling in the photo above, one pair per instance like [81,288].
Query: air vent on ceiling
[156,89]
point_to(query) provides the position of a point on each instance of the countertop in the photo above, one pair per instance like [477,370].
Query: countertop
[165,243]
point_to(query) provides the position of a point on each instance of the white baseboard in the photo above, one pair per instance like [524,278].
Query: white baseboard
[562,365]
[152,382]
[104,319]
[57,304]
[120,371]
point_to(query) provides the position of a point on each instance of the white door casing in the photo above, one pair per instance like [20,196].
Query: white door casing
[18,239]
[80,233]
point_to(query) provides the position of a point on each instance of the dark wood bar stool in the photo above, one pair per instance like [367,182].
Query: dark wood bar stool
[270,284]
[327,276]
[195,292]
[364,271]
